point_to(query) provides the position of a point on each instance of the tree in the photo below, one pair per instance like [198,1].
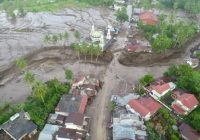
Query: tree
[29,77]
[147,79]
[68,75]
[39,90]
[162,42]
[122,15]
[77,48]
[21,63]
[77,35]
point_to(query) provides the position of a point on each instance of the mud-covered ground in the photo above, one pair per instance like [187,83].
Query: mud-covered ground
[27,33]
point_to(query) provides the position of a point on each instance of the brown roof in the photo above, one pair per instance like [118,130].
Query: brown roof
[75,118]
[189,132]
[70,133]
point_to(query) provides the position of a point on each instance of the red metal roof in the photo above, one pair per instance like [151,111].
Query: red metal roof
[149,18]
[189,100]
[151,104]
[83,104]
[161,88]
[144,105]
[178,109]
[135,104]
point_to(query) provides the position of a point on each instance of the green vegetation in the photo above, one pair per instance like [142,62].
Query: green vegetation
[21,63]
[191,6]
[111,106]
[38,108]
[198,54]
[87,49]
[77,35]
[147,79]
[6,111]
[161,126]
[56,38]
[68,75]
[121,15]
[194,118]
[47,5]
[168,34]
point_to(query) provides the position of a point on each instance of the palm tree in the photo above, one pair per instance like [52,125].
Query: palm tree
[77,48]
[91,50]
[54,39]
[98,52]
[46,39]
[29,77]
[39,90]
[65,36]
[77,35]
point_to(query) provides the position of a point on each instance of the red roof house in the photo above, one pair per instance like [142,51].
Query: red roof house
[145,106]
[148,18]
[184,103]
[159,90]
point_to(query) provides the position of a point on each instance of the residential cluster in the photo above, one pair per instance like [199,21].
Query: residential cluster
[132,111]
[69,120]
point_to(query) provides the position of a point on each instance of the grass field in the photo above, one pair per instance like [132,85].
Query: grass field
[41,5]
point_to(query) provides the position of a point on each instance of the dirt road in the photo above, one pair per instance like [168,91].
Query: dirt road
[114,75]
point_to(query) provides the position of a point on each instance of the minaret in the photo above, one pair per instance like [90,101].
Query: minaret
[102,43]
[108,34]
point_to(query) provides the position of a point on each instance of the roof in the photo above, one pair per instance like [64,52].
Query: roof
[70,133]
[83,104]
[178,109]
[132,47]
[149,18]
[56,119]
[75,118]
[161,88]
[19,125]
[144,105]
[48,131]
[135,104]
[189,100]
[189,132]
[121,132]
[122,101]
[152,105]
[69,104]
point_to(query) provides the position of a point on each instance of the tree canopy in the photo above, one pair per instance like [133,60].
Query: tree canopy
[121,15]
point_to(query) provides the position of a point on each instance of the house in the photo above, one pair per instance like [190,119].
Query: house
[148,18]
[48,132]
[76,120]
[145,107]
[184,102]
[56,119]
[69,104]
[127,126]
[70,134]
[160,88]
[188,133]
[19,126]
